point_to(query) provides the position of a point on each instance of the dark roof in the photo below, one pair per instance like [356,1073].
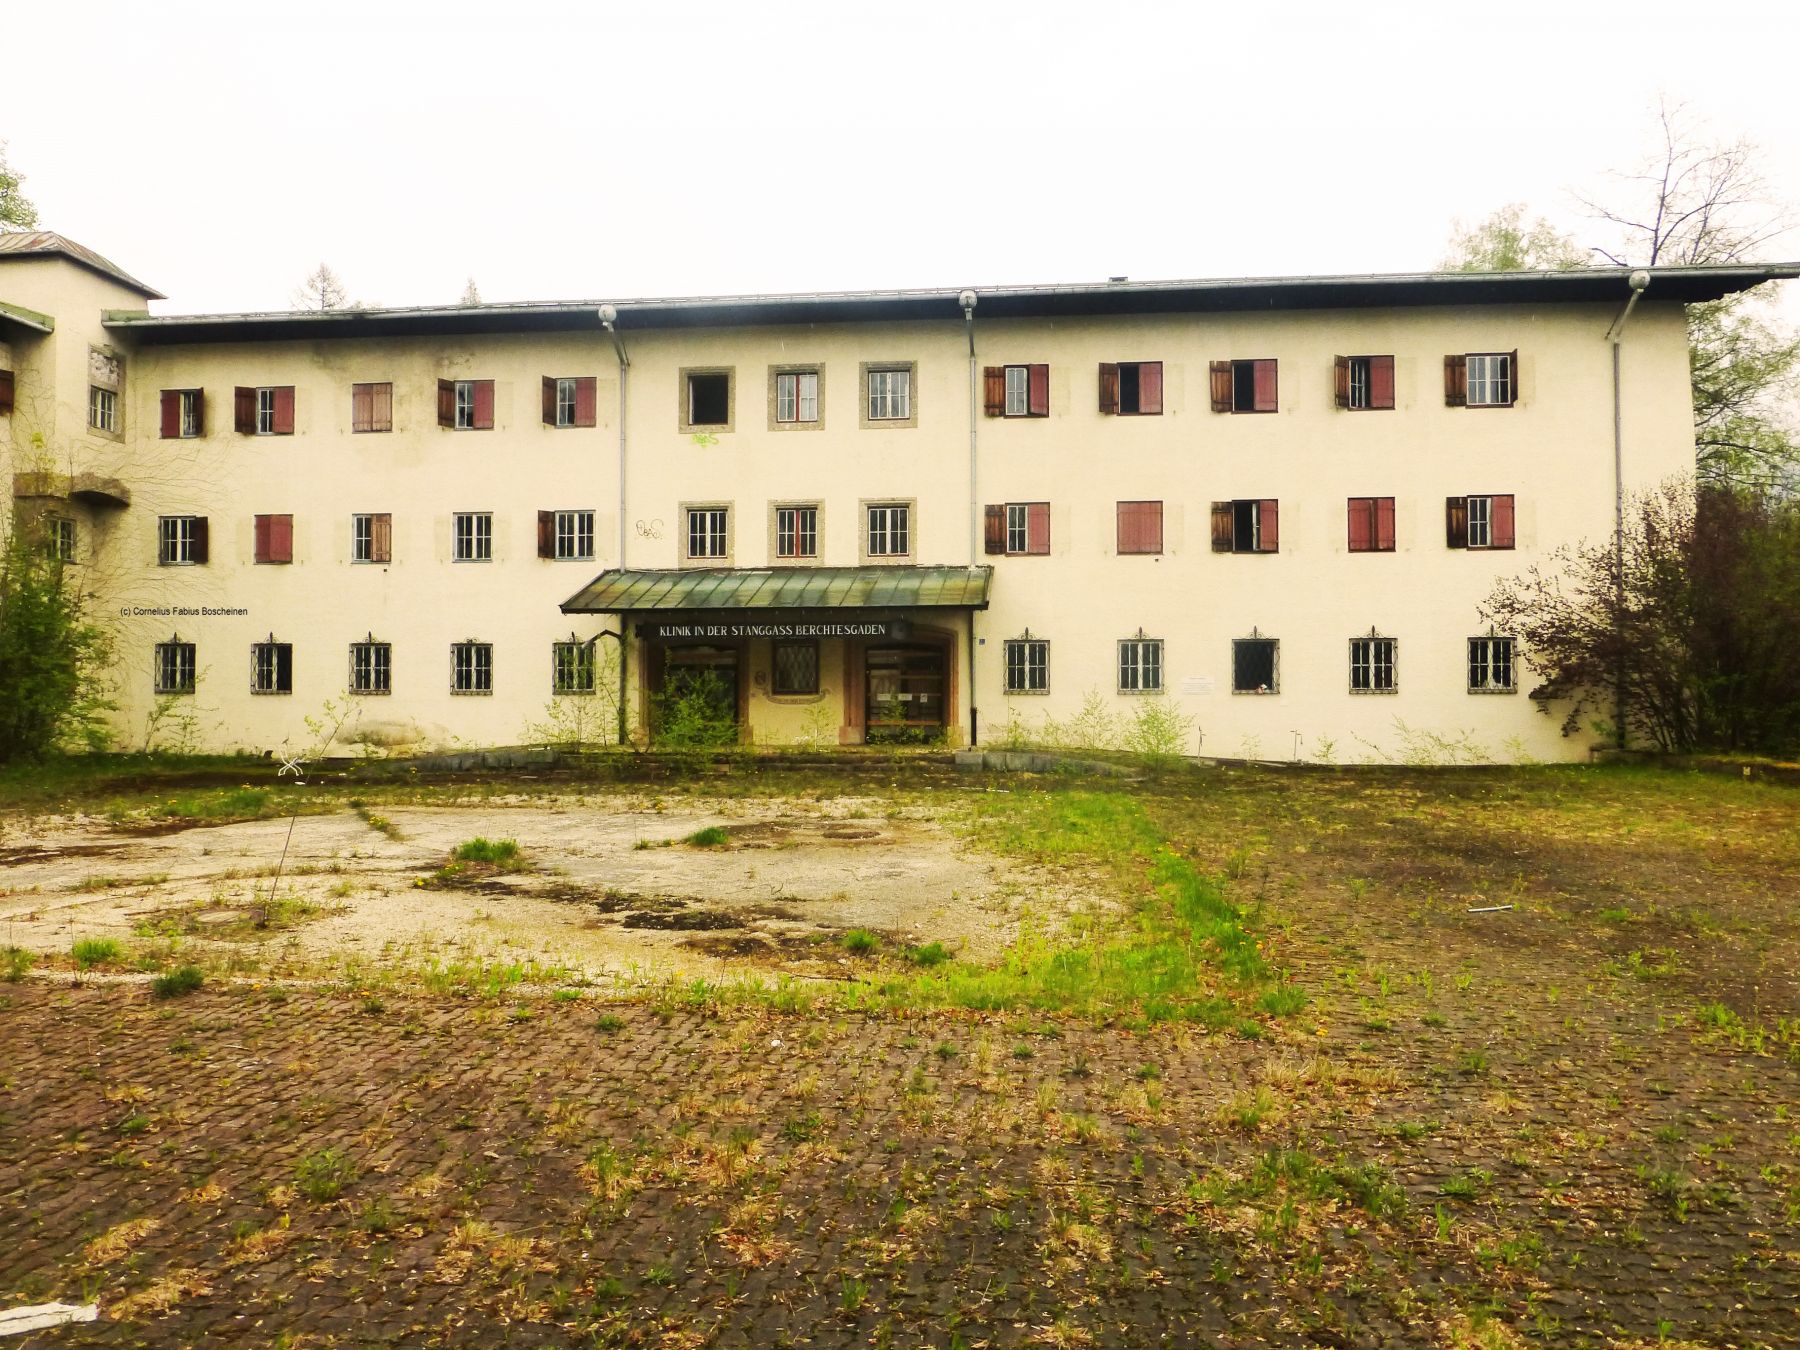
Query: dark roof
[767,588]
[36,243]
[1586,285]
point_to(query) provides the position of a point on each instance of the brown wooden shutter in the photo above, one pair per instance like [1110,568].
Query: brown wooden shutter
[281,539]
[1456,522]
[1362,524]
[1384,524]
[993,388]
[1140,527]
[1037,390]
[1221,386]
[1264,372]
[1500,530]
[171,414]
[244,410]
[484,405]
[1269,523]
[1152,527]
[1340,374]
[587,402]
[447,403]
[6,391]
[1456,381]
[1150,387]
[199,412]
[1512,385]
[381,538]
[546,534]
[202,540]
[1221,527]
[1037,527]
[261,546]
[362,407]
[549,401]
[382,414]
[1381,382]
[1109,387]
[994,524]
[284,411]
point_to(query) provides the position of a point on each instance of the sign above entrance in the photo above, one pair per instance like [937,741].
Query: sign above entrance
[898,630]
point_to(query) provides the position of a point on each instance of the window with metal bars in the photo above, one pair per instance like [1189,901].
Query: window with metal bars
[1141,666]
[472,668]
[796,667]
[1491,666]
[272,667]
[1372,665]
[371,667]
[572,668]
[1027,666]
[175,667]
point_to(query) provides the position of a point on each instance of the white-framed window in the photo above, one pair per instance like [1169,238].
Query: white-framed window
[1491,666]
[565,402]
[1490,379]
[272,667]
[574,534]
[797,396]
[473,537]
[371,537]
[1018,527]
[1028,666]
[890,530]
[1140,666]
[1255,666]
[796,532]
[890,395]
[175,667]
[471,667]
[465,405]
[572,668]
[1359,382]
[265,412]
[178,540]
[707,532]
[103,409]
[192,401]
[1481,522]
[1372,665]
[1018,391]
[59,538]
[371,667]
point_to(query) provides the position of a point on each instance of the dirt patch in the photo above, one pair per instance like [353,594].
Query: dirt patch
[680,920]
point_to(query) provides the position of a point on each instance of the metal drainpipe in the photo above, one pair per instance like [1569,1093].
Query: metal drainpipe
[1639,281]
[967,301]
[608,316]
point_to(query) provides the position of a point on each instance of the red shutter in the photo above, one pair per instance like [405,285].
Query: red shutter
[1381,382]
[244,410]
[1152,527]
[1340,375]
[362,407]
[381,541]
[447,403]
[1362,524]
[549,401]
[1109,387]
[281,539]
[6,391]
[202,540]
[1150,387]
[284,411]
[1456,522]
[1221,386]
[1501,519]
[1140,527]
[993,381]
[1221,527]
[1456,381]
[994,525]
[484,405]
[1384,524]
[1037,391]
[546,534]
[1265,386]
[171,413]
[1037,527]
[1269,521]
[586,402]
[261,546]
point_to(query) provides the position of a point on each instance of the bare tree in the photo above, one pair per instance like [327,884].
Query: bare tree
[16,209]
[471,295]
[323,289]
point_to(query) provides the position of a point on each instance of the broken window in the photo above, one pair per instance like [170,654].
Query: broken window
[1254,666]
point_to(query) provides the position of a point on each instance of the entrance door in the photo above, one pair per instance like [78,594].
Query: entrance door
[904,693]
[698,703]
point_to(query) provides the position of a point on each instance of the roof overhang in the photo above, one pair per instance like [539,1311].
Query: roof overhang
[26,318]
[766,591]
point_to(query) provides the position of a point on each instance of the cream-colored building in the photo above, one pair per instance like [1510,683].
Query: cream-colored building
[1262,513]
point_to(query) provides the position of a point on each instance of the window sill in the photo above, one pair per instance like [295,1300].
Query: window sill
[1502,692]
[272,693]
[370,693]
[1139,693]
[1363,693]
[471,693]
[1030,693]
[1256,693]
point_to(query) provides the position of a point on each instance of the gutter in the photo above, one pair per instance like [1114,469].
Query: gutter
[1639,282]
[967,301]
[609,315]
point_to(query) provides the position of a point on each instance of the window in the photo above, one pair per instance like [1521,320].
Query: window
[1371,524]
[796,532]
[59,538]
[274,539]
[183,413]
[566,535]
[1028,666]
[1481,380]
[1244,387]
[1365,382]
[103,409]
[181,540]
[1251,526]
[371,667]
[472,668]
[1140,666]
[1131,388]
[1017,391]
[371,407]
[466,405]
[1491,666]
[572,667]
[890,393]
[6,391]
[706,400]
[473,537]
[1255,666]
[797,396]
[1479,522]
[796,667]
[106,378]
[890,530]
[175,667]
[570,401]
[1372,665]
[1140,527]
[263,411]
[372,538]
[1018,528]
[708,532]
[272,667]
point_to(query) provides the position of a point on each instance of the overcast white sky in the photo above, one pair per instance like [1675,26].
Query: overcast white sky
[221,150]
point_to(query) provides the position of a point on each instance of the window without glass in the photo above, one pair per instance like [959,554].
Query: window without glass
[1372,665]
[1244,386]
[1365,382]
[472,668]
[371,407]
[175,667]
[707,535]
[1017,391]
[1249,526]
[371,667]
[572,668]
[272,668]
[1491,668]
[1481,380]
[890,395]
[1140,666]
[472,537]
[1027,666]
[1371,524]
[709,398]
[372,538]
[1255,666]
[183,413]
[796,667]
[1479,522]
[890,530]
[797,396]
[182,540]
[1131,388]
[796,532]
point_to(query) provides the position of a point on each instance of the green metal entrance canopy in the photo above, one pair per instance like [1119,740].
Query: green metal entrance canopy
[627,591]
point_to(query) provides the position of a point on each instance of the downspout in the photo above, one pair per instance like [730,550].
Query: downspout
[608,317]
[1639,281]
[967,300]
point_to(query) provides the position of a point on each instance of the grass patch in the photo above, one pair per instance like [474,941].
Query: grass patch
[493,852]
[183,980]
[713,836]
[323,1175]
[91,952]
[861,940]
[16,963]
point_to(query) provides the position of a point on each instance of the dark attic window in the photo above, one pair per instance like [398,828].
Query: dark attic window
[1130,389]
[709,399]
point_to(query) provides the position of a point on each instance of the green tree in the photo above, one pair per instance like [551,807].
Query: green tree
[16,209]
[1506,242]
[52,656]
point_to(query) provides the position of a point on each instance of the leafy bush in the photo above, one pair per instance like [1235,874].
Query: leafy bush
[184,980]
[1159,732]
[694,711]
[52,660]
